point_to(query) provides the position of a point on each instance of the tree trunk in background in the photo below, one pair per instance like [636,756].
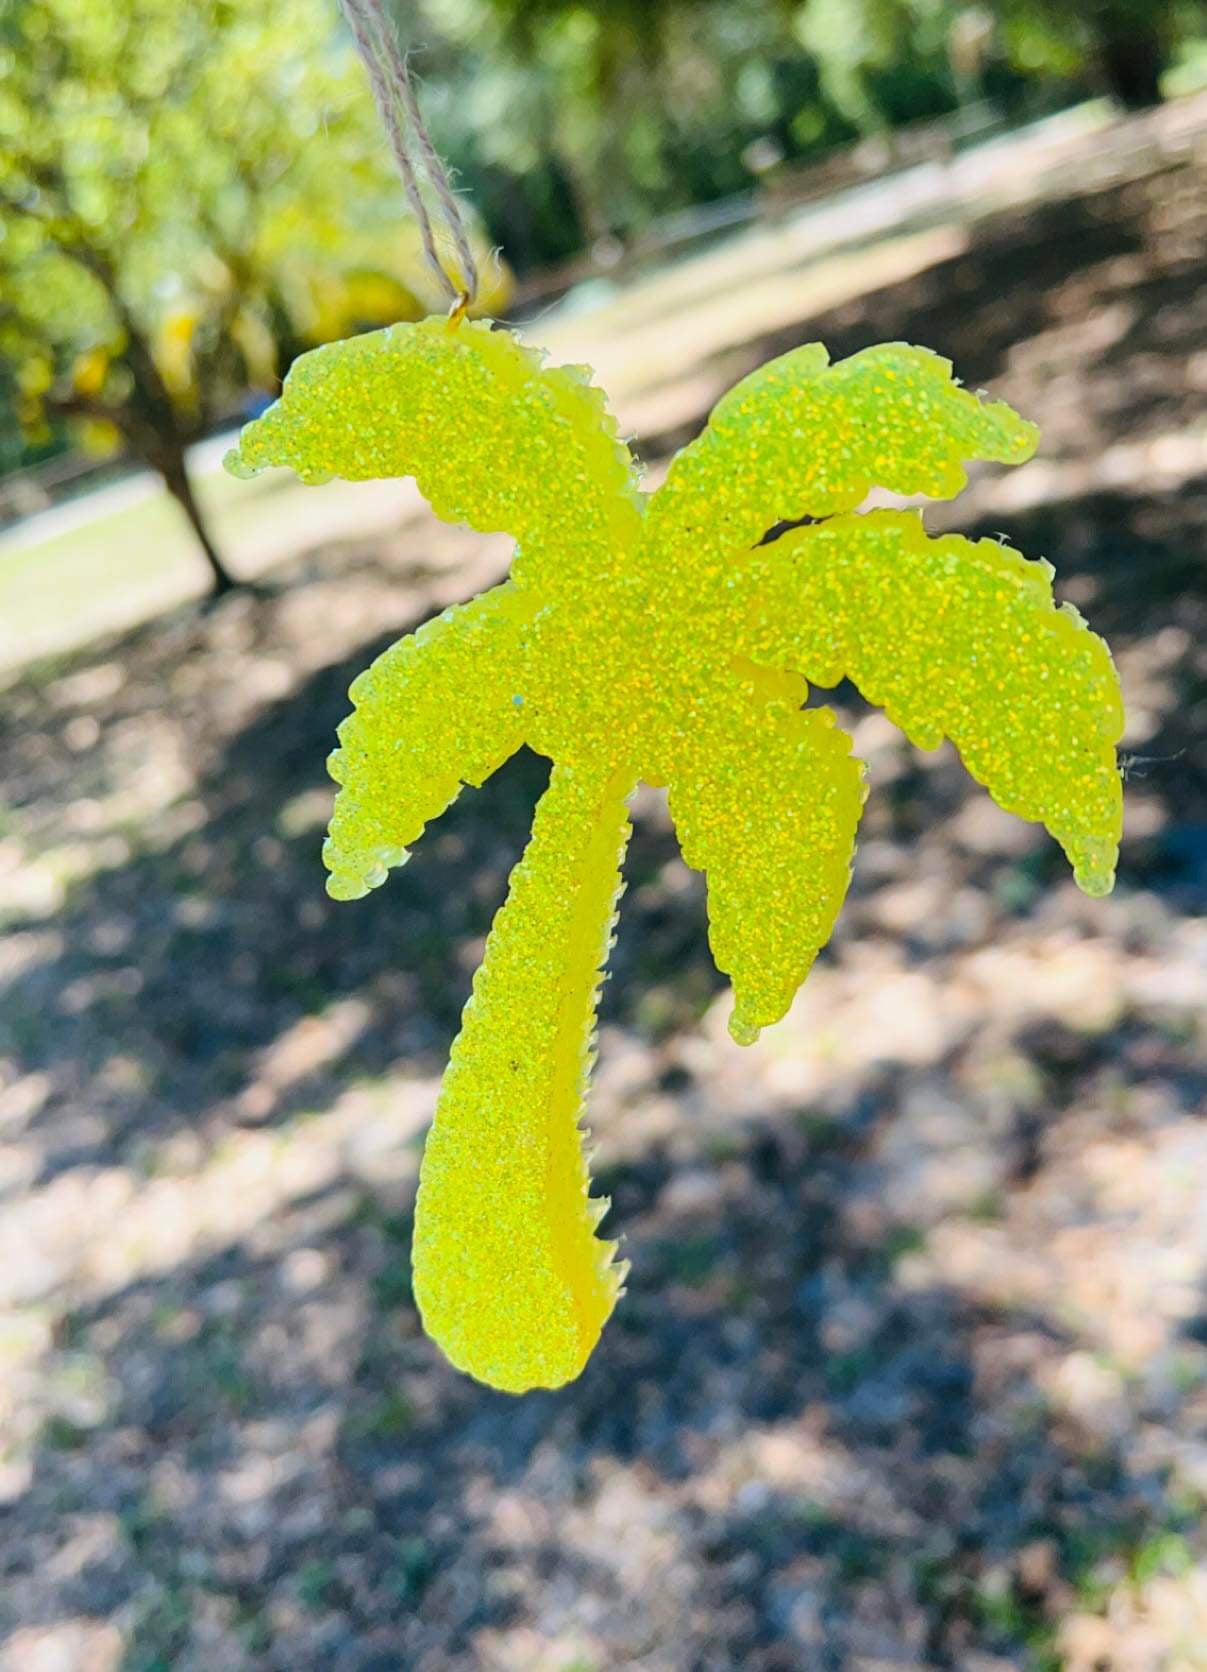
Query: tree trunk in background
[151,424]
[1132,57]
[171,466]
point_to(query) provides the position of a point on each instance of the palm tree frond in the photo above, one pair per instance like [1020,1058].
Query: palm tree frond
[493,437]
[960,639]
[452,683]
[766,803]
[509,1274]
[802,438]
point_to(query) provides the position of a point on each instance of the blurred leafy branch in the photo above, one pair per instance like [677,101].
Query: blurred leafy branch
[188,197]
[572,120]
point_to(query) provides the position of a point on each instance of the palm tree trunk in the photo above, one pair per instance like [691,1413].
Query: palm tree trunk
[508,1273]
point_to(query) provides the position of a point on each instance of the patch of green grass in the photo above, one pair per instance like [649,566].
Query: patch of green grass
[59,1433]
[988,1208]
[371,1213]
[1165,1553]
[124,565]
[254,1629]
[844,1371]
[1094,1560]
[1001,1612]
[392,1285]
[821,1130]
[720,1147]
[658,1014]
[230,1378]
[1013,1619]
[1184,1503]
[691,1260]
[214,1368]
[413,1567]
[900,1241]
[1030,1414]
[1179,1027]
[316,1581]
[159,1630]
[1017,886]
[858,1557]
[381,1420]
[742,1294]
[137,549]
[143,1524]
[939,1583]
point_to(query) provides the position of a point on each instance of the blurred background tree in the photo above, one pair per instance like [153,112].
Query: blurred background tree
[188,195]
[571,121]
[1127,43]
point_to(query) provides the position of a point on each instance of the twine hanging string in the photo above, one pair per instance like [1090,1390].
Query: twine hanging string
[416,156]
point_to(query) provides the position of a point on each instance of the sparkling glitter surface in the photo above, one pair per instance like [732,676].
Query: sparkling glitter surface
[654,638]
[765,801]
[960,639]
[434,712]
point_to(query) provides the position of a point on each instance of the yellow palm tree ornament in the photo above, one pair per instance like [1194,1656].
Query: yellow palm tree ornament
[653,637]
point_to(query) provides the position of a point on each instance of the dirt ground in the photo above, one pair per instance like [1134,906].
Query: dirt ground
[912,1370]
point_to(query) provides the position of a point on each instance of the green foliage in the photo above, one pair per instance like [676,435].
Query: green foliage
[188,195]
[155,196]
[624,110]
[882,61]
[569,120]
[206,189]
[1124,43]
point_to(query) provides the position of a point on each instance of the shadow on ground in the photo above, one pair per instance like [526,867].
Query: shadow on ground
[781,1442]
[911,1370]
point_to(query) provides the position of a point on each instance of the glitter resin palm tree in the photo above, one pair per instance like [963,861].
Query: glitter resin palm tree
[656,638]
